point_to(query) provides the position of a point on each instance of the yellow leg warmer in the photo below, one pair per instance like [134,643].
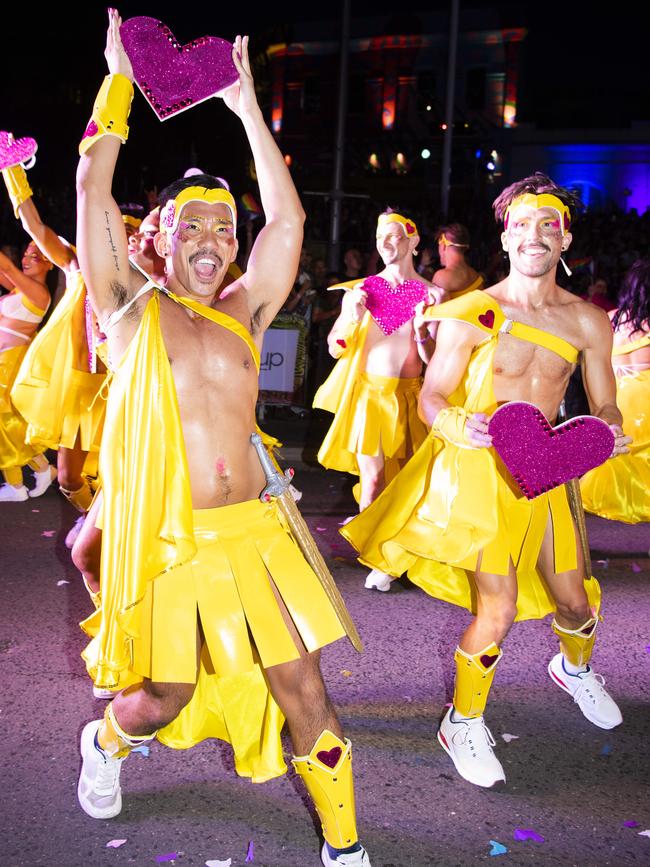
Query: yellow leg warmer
[13,476]
[327,774]
[96,598]
[80,499]
[474,676]
[112,738]
[17,185]
[110,112]
[577,644]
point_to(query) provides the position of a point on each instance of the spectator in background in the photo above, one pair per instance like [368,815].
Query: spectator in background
[352,264]
[598,293]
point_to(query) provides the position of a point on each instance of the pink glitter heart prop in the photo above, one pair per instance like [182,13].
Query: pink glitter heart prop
[541,457]
[14,151]
[330,757]
[175,77]
[392,306]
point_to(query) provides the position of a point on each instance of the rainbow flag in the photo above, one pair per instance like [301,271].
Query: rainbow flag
[250,205]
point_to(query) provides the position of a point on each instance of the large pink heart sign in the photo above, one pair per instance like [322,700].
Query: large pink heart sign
[175,77]
[392,306]
[16,151]
[541,457]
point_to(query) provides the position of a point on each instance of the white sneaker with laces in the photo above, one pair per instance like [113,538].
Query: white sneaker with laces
[74,531]
[589,693]
[103,694]
[353,859]
[377,580]
[469,744]
[9,494]
[43,481]
[99,790]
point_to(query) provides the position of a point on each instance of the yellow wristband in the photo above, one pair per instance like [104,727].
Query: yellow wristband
[15,179]
[343,338]
[110,112]
[450,425]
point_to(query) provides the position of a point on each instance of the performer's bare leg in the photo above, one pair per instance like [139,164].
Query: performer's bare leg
[372,476]
[86,551]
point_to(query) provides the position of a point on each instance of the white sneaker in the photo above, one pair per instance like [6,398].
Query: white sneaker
[589,693]
[469,743]
[103,694]
[9,494]
[99,790]
[353,859]
[74,531]
[43,481]
[377,580]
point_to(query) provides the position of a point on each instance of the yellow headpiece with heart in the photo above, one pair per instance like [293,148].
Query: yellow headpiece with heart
[410,229]
[170,212]
[541,200]
[134,222]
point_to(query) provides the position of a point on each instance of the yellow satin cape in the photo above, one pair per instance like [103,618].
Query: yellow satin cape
[54,391]
[450,504]
[14,450]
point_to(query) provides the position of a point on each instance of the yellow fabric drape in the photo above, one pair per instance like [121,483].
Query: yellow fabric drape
[14,450]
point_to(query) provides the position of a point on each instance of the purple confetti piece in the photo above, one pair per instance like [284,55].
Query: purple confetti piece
[48,533]
[527,834]
[36,510]
[321,529]
[62,582]
[250,855]
[631,824]
[497,848]
[115,844]
[647,647]
[636,567]
[606,750]
[143,749]
[170,856]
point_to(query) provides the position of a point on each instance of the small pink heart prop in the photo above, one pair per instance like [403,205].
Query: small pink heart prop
[330,757]
[392,306]
[16,151]
[175,77]
[541,457]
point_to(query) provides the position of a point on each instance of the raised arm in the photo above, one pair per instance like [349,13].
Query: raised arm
[101,239]
[34,291]
[273,261]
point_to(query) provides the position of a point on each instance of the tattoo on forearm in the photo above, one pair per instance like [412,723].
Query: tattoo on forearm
[110,241]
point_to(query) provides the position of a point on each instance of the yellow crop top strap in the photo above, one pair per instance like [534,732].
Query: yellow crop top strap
[483,312]
[626,348]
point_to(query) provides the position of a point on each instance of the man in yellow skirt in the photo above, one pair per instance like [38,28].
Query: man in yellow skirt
[374,386]
[454,518]
[211,618]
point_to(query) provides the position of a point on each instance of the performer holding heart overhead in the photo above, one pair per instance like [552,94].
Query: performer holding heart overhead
[374,386]
[456,520]
[211,619]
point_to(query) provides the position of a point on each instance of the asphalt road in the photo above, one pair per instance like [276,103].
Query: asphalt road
[583,790]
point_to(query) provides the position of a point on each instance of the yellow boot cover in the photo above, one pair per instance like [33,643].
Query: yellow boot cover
[112,738]
[474,676]
[327,774]
[110,112]
[80,499]
[15,179]
[96,598]
[577,644]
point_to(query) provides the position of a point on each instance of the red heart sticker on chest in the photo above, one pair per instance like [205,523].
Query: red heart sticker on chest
[392,306]
[487,319]
[16,151]
[541,457]
[171,76]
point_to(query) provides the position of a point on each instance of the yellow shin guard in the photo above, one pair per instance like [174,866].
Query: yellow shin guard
[110,112]
[80,499]
[577,644]
[474,676]
[327,774]
[112,738]
[96,598]
[17,185]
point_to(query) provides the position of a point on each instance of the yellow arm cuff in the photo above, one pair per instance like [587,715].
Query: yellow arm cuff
[15,179]
[343,338]
[110,112]
[450,425]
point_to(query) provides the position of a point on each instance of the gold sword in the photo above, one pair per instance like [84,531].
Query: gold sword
[277,487]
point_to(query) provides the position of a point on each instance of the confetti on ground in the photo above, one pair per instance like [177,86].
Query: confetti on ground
[48,533]
[606,750]
[143,749]
[631,824]
[507,738]
[62,582]
[346,673]
[497,848]
[115,844]
[644,833]
[603,563]
[170,856]
[321,529]
[647,647]
[636,567]
[219,863]
[527,834]
[250,855]
[36,510]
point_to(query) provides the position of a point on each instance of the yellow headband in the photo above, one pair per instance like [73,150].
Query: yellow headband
[170,213]
[131,221]
[542,200]
[410,229]
[445,240]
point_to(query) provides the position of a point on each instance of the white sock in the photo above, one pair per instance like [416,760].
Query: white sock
[570,668]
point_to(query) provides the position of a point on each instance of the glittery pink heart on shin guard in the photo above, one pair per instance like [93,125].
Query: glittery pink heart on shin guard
[392,306]
[16,151]
[330,757]
[171,76]
[541,457]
